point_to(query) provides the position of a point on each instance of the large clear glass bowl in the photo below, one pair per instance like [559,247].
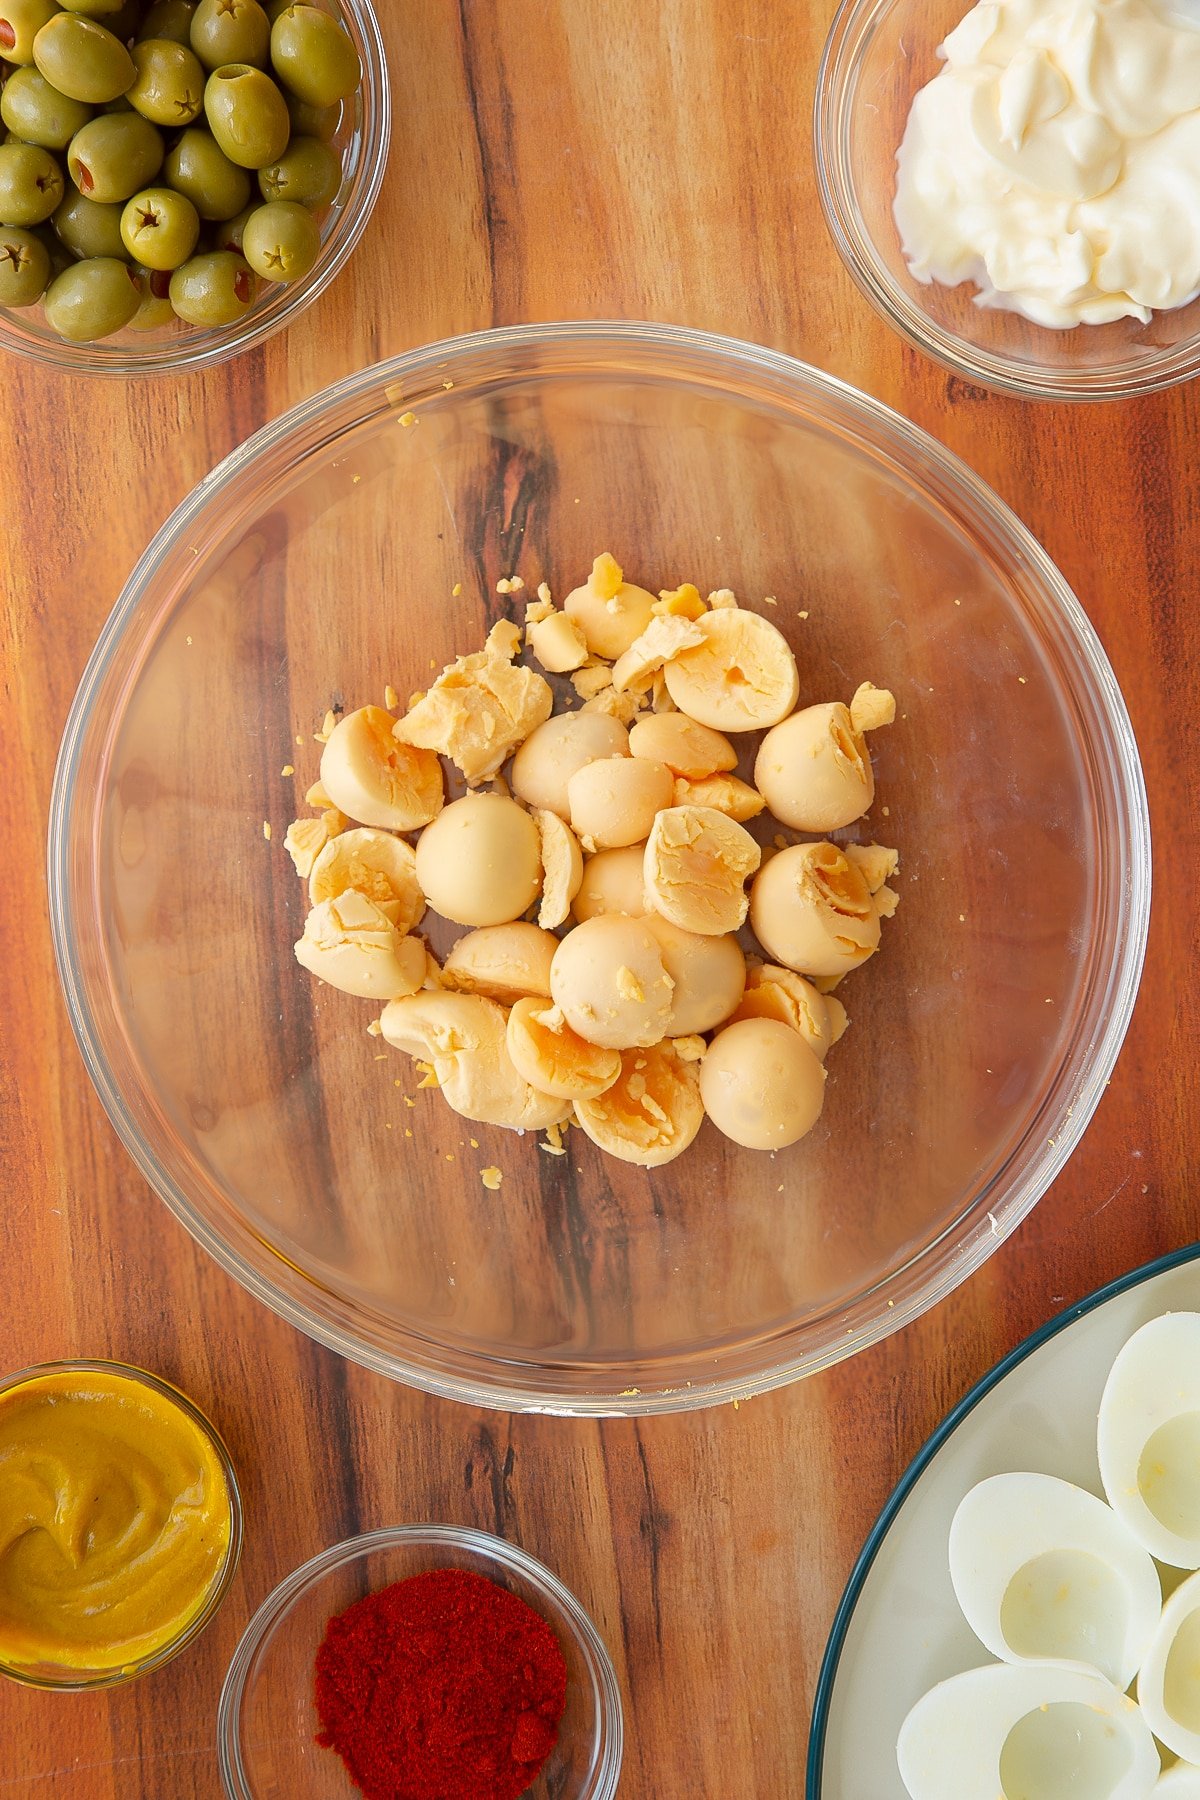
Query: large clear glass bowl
[267,1720]
[358,541]
[361,140]
[878,56]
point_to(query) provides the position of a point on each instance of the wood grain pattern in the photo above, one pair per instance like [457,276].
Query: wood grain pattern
[581,158]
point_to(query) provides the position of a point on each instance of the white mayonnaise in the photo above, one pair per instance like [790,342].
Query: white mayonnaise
[1055,160]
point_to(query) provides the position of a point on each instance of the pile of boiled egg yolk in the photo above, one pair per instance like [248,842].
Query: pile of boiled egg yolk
[600,860]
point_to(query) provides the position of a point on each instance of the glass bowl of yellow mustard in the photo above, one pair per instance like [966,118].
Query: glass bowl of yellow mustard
[120,1523]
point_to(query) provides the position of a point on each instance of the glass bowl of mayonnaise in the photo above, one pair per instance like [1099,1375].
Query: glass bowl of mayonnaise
[120,1519]
[1015,185]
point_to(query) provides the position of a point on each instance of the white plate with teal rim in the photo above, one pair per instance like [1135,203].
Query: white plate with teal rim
[898,1629]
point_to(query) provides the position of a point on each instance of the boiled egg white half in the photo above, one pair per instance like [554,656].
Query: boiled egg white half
[1148,1438]
[1043,1569]
[1180,1782]
[1027,1731]
[1169,1679]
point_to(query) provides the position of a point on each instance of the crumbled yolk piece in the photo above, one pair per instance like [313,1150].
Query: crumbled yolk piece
[724,793]
[480,708]
[662,640]
[876,863]
[680,603]
[558,643]
[622,707]
[872,708]
[591,678]
[304,842]
[607,576]
[629,987]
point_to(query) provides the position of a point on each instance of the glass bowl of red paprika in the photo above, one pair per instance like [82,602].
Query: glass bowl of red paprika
[278,1715]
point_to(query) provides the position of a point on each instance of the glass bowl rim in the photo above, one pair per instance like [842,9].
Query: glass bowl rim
[82,1681]
[926,463]
[186,353]
[833,107]
[569,1618]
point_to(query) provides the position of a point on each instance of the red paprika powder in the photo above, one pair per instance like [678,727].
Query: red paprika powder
[441,1687]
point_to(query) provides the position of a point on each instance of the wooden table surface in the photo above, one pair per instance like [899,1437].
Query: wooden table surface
[559,158]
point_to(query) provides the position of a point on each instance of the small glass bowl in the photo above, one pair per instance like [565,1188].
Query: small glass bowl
[878,55]
[75,1680]
[361,139]
[267,1721]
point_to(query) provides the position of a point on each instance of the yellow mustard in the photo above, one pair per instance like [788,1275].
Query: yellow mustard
[115,1521]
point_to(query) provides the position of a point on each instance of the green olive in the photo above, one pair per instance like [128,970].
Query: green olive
[275,7]
[199,168]
[82,59]
[231,31]
[94,9]
[87,228]
[281,241]
[160,228]
[308,172]
[154,308]
[38,113]
[24,267]
[20,22]
[169,86]
[247,115]
[56,250]
[31,184]
[312,121]
[125,21]
[93,299]
[214,289]
[313,56]
[114,156]
[228,235]
[169,19]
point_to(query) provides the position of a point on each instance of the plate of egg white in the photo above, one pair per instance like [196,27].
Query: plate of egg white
[1024,1620]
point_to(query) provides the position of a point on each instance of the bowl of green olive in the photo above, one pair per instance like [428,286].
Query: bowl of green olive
[180,178]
